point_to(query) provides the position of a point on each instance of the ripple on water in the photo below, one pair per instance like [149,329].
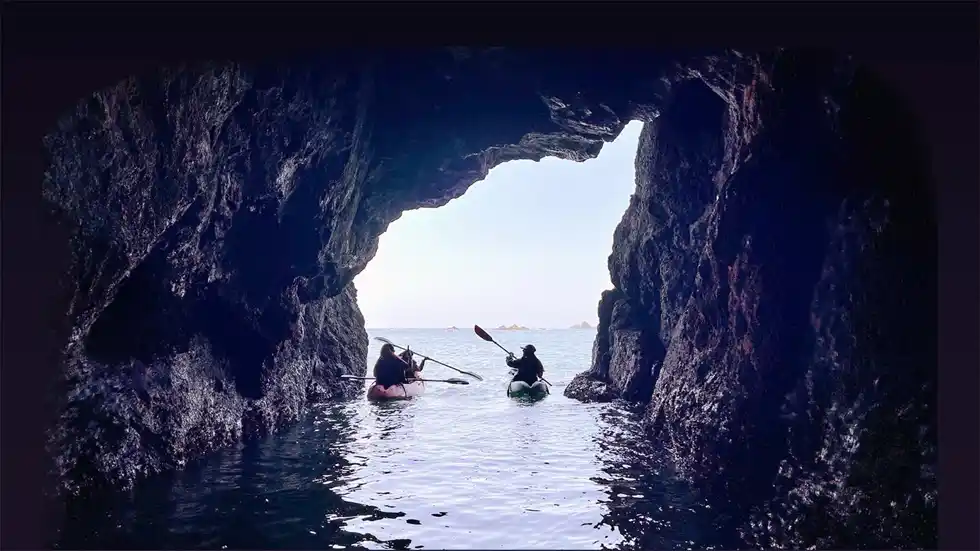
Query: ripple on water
[461,467]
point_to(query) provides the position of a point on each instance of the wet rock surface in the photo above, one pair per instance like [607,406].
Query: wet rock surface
[774,275]
[778,264]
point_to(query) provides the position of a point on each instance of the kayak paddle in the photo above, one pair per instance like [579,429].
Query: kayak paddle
[450,381]
[453,381]
[474,375]
[486,336]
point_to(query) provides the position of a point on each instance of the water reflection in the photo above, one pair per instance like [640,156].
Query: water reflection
[645,501]
[460,467]
[389,417]
[256,495]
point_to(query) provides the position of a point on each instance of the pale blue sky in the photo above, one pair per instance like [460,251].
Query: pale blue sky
[527,245]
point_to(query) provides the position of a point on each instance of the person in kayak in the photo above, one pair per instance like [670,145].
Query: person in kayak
[413,368]
[528,366]
[390,370]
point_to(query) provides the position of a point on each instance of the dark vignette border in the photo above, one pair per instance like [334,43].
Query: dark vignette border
[54,53]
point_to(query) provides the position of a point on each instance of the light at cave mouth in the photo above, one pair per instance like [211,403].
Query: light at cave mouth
[527,245]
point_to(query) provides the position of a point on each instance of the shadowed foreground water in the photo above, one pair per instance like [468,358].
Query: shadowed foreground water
[460,467]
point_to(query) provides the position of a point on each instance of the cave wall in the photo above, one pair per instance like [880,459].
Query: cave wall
[218,214]
[774,271]
[775,301]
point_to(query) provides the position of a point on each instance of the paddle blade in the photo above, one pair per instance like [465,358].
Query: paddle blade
[384,340]
[482,334]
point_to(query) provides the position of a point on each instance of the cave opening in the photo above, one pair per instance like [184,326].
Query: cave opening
[527,246]
[742,229]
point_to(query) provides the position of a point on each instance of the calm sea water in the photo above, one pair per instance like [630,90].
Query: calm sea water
[460,467]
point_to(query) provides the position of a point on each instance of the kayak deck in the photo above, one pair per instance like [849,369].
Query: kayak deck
[520,389]
[397,392]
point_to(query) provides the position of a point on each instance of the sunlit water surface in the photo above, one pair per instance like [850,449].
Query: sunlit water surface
[460,467]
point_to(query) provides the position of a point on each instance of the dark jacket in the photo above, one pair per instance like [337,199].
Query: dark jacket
[529,368]
[389,371]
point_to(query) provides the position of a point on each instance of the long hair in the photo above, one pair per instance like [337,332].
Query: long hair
[387,351]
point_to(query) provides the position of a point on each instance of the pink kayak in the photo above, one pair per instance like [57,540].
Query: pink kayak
[396,392]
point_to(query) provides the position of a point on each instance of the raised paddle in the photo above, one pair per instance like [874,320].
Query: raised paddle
[450,381]
[474,375]
[486,336]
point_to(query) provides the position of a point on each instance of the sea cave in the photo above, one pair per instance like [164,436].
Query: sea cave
[774,300]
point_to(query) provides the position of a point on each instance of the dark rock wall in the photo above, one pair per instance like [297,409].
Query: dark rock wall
[774,274]
[210,254]
[775,300]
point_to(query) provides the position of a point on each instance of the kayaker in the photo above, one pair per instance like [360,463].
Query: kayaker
[413,367]
[390,370]
[528,366]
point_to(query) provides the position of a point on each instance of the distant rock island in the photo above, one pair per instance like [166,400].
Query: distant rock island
[583,325]
[514,327]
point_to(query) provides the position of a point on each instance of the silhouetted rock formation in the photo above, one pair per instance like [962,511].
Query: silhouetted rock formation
[775,299]
[583,325]
[513,327]
[774,272]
